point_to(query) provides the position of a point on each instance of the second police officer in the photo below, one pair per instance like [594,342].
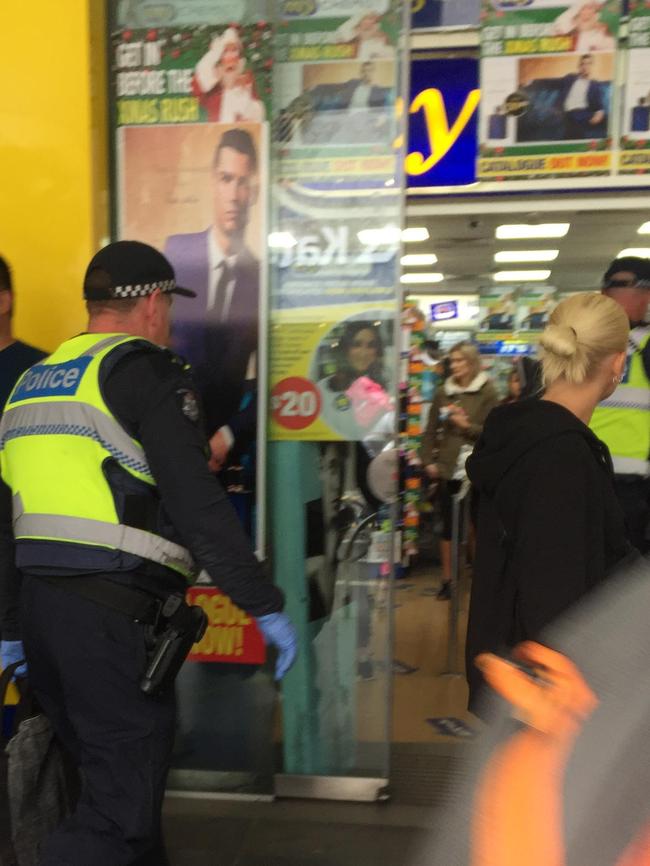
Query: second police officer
[104,464]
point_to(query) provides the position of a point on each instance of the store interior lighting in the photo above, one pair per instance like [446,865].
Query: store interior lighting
[418,260]
[521,276]
[525,231]
[282,241]
[423,278]
[644,229]
[510,256]
[415,234]
[377,237]
[638,252]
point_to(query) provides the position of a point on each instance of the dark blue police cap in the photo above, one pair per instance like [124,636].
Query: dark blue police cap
[130,269]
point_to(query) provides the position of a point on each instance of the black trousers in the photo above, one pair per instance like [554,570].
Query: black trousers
[633,493]
[85,662]
[576,124]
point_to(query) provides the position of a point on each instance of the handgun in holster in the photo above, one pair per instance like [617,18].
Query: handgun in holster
[182,626]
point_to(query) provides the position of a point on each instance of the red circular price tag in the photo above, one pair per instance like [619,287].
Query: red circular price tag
[295,403]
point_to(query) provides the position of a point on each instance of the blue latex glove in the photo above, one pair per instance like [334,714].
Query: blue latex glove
[279,632]
[11,651]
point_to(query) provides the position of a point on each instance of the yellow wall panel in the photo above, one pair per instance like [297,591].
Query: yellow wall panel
[53,158]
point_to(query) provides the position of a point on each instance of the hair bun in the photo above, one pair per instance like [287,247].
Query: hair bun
[560,340]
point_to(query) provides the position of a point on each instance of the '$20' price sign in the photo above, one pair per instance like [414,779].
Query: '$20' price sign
[295,403]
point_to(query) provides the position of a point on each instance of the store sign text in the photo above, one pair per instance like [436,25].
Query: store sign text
[332,247]
[441,137]
[443,122]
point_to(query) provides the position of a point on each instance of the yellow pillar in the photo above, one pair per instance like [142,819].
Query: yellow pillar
[53,158]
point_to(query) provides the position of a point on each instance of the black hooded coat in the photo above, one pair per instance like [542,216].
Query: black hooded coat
[549,524]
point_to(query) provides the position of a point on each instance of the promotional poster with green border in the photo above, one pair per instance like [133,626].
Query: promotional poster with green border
[634,156]
[337,175]
[548,74]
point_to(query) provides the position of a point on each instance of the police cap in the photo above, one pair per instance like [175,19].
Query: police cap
[631,265]
[129,269]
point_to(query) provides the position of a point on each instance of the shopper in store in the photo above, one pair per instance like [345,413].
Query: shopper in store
[550,526]
[15,356]
[514,387]
[458,412]
[623,420]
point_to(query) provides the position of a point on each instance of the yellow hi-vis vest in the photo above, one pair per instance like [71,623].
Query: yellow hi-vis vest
[56,435]
[622,421]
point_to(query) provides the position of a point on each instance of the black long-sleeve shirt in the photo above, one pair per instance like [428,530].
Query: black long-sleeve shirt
[153,398]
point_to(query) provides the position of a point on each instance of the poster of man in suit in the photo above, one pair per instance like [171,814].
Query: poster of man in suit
[197,198]
[548,71]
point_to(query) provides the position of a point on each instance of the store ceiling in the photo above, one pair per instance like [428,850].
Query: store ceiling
[465,245]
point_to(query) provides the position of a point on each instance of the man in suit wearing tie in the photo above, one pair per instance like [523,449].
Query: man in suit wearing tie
[218,334]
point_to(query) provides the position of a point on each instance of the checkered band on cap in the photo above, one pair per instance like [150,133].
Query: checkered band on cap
[141,290]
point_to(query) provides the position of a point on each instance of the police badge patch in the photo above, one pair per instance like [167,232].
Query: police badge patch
[190,405]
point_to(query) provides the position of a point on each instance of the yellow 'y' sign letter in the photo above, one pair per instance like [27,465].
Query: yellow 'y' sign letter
[441,137]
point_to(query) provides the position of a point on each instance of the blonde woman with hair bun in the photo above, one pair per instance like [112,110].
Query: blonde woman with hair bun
[583,352]
[549,524]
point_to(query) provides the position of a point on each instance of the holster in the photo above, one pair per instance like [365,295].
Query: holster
[181,626]
[172,625]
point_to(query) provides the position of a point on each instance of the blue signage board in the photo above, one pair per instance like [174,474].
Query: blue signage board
[506,347]
[445,13]
[443,126]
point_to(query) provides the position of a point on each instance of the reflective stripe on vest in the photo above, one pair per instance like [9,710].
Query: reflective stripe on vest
[628,398]
[57,527]
[74,419]
[622,421]
[629,466]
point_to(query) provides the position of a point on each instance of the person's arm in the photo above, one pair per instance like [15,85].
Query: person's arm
[489,400]
[207,74]
[558,530]
[237,435]
[565,23]
[597,103]
[10,579]
[149,394]
[429,438]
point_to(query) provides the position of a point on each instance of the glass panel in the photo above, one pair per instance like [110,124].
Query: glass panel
[336,199]
[336,134]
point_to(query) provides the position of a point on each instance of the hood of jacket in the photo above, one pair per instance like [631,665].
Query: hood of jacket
[452,388]
[513,430]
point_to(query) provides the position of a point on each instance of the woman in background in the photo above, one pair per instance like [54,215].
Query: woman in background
[514,387]
[458,412]
[550,526]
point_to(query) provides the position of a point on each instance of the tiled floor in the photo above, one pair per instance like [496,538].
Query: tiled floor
[421,630]
[295,833]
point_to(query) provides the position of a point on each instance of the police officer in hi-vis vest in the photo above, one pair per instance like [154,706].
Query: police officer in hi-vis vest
[105,465]
[623,420]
